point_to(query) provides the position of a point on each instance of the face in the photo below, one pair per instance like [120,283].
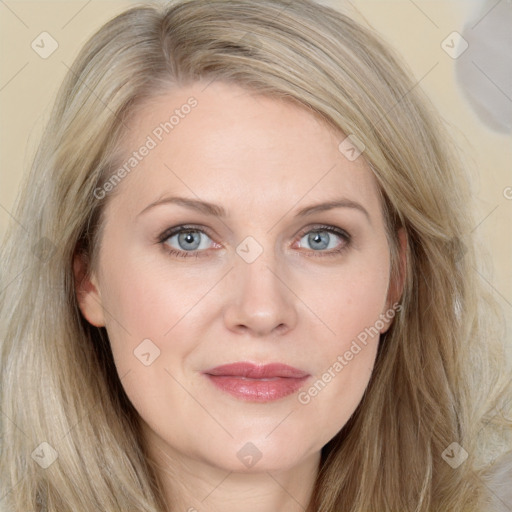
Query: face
[242,234]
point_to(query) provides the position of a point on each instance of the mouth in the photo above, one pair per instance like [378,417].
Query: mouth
[257,383]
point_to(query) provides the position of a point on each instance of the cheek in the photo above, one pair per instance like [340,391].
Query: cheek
[351,306]
[155,320]
[146,331]
[351,298]
[142,301]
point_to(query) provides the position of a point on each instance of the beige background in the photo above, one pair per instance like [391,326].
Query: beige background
[416,29]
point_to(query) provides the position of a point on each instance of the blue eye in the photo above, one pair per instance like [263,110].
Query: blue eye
[186,241]
[326,240]
[320,240]
[190,240]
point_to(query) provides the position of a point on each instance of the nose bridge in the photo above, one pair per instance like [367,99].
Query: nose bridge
[260,301]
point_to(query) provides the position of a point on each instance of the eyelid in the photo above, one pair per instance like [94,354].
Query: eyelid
[324,227]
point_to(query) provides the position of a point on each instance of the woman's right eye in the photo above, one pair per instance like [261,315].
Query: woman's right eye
[185,241]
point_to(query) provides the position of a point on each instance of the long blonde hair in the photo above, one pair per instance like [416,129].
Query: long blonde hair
[439,372]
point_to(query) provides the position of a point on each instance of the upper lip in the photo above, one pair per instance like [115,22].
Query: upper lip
[254,371]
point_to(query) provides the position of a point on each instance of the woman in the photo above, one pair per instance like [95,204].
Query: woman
[251,280]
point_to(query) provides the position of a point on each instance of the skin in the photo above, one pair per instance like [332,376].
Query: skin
[262,160]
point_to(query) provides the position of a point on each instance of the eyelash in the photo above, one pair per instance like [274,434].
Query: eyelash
[198,253]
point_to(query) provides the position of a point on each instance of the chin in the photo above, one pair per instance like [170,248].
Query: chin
[263,454]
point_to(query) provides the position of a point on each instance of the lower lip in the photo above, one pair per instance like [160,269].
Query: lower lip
[257,390]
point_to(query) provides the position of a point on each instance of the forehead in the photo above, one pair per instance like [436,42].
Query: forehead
[222,142]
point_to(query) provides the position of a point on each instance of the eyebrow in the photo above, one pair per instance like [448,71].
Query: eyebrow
[218,211]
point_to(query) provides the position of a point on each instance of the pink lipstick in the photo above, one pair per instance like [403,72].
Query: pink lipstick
[257,383]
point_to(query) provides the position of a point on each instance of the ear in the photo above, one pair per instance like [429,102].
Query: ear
[87,291]
[396,285]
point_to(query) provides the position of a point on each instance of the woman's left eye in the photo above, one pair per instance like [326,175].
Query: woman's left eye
[326,240]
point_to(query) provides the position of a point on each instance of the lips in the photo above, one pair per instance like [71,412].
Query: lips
[252,371]
[257,383]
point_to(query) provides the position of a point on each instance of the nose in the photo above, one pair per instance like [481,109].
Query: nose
[260,300]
